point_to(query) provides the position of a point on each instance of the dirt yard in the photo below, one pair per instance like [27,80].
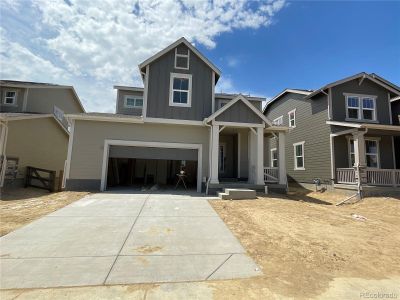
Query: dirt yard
[306,247]
[19,207]
[302,242]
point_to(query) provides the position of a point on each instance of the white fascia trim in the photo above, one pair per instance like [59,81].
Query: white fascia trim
[24,117]
[277,129]
[365,125]
[105,119]
[175,44]
[171,90]
[232,96]
[108,143]
[232,102]
[237,124]
[395,99]
[174,121]
[128,88]
[285,91]
[363,74]
[146,91]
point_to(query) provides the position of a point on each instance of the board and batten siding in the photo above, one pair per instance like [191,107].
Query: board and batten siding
[367,87]
[240,113]
[121,109]
[88,145]
[159,89]
[311,117]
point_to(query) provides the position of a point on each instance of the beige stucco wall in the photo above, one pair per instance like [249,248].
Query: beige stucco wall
[89,136]
[38,143]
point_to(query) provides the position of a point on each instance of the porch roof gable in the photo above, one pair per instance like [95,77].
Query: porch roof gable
[231,103]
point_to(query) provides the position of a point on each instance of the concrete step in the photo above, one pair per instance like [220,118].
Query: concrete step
[237,194]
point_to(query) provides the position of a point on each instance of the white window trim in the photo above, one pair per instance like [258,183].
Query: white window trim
[375,139]
[360,108]
[58,113]
[272,158]
[14,103]
[171,90]
[225,101]
[294,118]
[274,122]
[182,55]
[134,97]
[294,155]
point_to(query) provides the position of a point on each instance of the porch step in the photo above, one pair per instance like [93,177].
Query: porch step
[237,194]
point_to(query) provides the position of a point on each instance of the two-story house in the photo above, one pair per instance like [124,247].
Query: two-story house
[176,122]
[33,128]
[338,133]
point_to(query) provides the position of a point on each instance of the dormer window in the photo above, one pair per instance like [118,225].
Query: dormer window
[180,90]
[182,58]
[133,101]
[10,98]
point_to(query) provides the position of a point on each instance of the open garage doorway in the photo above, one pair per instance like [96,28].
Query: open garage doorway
[144,164]
[139,173]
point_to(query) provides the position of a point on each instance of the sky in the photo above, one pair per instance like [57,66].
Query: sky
[261,47]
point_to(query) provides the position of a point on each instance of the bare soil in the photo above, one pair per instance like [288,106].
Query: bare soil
[302,242]
[19,207]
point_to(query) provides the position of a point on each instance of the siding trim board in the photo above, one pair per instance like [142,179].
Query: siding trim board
[108,143]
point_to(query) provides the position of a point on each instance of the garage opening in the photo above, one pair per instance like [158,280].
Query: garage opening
[133,166]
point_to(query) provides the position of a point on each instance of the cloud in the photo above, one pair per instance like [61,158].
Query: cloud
[98,44]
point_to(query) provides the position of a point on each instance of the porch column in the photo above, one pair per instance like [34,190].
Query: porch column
[282,158]
[214,154]
[359,149]
[260,157]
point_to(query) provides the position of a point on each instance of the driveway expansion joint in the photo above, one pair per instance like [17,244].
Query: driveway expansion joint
[212,273]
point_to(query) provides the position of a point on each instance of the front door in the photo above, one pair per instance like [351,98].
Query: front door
[222,158]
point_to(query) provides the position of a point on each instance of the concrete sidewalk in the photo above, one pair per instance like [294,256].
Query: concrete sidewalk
[115,238]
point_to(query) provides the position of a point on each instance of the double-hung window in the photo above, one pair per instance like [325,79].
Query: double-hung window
[292,118]
[182,58]
[180,90]
[133,101]
[10,97]
[361,107]
[371,153]
[274,158]
[278,121]
[299,156]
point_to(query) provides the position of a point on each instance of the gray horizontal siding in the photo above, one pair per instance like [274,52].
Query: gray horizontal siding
[311,116]
[367,87]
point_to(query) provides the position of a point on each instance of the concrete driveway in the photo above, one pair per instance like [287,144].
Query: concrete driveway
[121,238]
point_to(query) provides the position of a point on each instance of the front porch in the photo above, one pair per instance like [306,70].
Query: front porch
[364,156]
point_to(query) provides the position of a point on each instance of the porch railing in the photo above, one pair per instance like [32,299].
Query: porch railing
[381,177]
[271,174]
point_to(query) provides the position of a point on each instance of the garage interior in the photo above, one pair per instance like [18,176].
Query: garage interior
[144,167]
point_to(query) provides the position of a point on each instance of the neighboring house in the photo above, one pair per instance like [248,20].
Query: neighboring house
[175,122]
[33,128]
[345,124]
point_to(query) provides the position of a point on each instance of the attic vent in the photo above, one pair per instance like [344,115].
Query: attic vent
[182,58]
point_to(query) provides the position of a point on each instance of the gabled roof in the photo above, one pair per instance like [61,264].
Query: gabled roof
[232,96]
[385,81]
[359,75]
[191,47]
[284,92]
[231,103]
[33,85]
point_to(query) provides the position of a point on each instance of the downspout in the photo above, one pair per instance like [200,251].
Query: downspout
[4,136]
[209,155]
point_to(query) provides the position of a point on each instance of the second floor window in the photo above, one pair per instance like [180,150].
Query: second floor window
[361,107]
[182,59]
[10,98]
[180,90]
[133,102]
[278,121]
[292,118]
